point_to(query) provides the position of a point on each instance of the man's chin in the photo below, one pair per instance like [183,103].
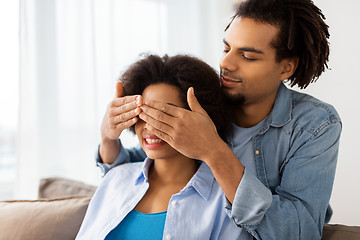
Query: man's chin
[234,99]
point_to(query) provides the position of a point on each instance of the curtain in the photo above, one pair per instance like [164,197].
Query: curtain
[71,54]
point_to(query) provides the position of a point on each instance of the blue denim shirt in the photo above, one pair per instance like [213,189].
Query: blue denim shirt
[194,213]
[295,156]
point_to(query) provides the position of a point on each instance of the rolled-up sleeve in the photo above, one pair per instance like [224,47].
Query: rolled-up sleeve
[251,202]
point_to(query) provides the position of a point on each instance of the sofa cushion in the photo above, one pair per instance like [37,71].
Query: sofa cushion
[340,232]
[57,219]
[57,187]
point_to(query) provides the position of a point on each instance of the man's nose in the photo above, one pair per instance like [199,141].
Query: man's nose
[228,62]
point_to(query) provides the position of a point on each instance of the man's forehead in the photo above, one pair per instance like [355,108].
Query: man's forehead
[246,32]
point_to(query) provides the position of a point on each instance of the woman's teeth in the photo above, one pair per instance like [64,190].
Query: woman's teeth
[153,141]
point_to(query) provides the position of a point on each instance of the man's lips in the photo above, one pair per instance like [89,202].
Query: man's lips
[229,82]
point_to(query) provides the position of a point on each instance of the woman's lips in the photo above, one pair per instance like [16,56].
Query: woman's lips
[229,82]
[152,142]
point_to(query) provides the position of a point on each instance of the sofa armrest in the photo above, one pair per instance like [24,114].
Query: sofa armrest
[340,232]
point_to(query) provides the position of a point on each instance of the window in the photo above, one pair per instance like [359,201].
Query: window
[9,72]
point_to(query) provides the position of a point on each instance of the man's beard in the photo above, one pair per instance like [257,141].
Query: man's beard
[233,99]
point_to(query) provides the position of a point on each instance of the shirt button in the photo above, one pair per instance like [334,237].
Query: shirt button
[173,203]
[257,152]
[168,237]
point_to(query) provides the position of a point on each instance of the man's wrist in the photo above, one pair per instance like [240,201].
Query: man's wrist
[109,149]
[216,152]
[227,169]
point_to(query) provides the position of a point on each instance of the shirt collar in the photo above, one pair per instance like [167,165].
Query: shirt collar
[280,114]
[202,181]
[143,175]
[282,109]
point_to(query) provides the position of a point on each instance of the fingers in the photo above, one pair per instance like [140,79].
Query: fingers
[124,125]
[160,134]
[156,124]
[119,109]
[119,90]
[113,125]
[155,108]
[124,109]
[193,102]
[121,113]
[125,116]
[157,115]
[160,119]
[136,99]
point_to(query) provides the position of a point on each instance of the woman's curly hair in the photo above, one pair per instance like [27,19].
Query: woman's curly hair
[302,33]
[182,71]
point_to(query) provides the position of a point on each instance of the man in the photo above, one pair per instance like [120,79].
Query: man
[278,170]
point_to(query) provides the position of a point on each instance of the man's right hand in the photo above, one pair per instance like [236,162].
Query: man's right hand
[121,113]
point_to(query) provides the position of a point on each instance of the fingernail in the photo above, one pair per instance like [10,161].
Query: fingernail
[138,100]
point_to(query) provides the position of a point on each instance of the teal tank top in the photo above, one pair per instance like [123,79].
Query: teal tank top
[139,226]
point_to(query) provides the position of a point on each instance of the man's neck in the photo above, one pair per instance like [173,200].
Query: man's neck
[249,115]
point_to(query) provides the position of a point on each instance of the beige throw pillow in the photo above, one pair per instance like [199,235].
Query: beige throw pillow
[56,187]
[57,219]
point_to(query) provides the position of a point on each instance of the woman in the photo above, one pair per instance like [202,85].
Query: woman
[168,196]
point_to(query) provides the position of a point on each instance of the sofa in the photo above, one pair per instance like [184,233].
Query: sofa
[60,208]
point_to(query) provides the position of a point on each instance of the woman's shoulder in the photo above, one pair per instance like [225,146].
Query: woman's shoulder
[124,171]
[127,167]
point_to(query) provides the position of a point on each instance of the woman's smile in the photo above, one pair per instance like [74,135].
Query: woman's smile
[152,142]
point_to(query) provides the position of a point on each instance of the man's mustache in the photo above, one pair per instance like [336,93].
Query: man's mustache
[227,73]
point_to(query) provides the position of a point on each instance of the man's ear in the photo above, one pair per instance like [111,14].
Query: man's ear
[289,66]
